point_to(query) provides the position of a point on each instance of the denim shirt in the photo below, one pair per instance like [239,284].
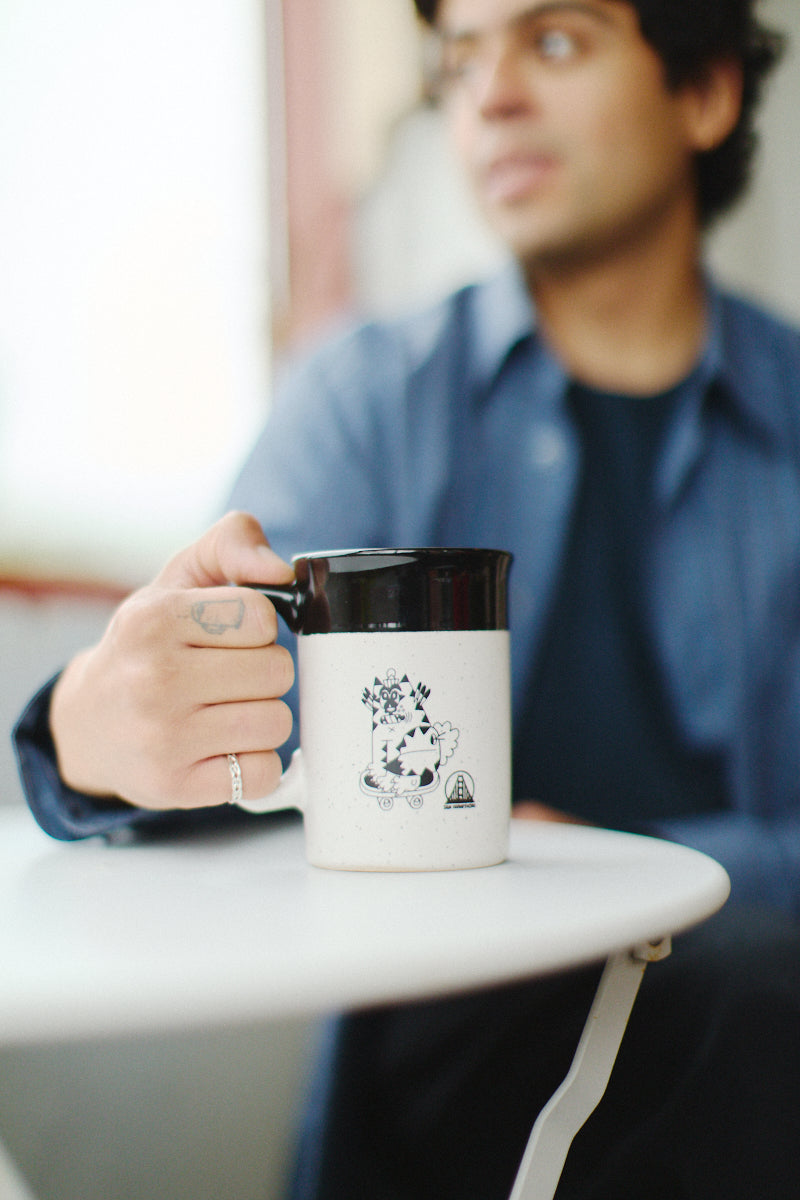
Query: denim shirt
[451,427]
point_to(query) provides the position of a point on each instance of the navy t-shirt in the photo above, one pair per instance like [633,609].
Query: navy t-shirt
[597,738]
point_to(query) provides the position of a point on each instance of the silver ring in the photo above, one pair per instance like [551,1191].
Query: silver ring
[236,779]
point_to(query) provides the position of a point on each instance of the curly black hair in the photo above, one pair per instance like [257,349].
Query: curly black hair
[688,36]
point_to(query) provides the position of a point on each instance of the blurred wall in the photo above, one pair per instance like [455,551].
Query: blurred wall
[134,323]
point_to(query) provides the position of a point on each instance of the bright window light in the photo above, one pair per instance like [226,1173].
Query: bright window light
[134,321]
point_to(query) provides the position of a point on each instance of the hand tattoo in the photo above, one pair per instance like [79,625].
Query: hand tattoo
[218,616]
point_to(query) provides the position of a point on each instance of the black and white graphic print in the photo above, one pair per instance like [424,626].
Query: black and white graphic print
[407,747]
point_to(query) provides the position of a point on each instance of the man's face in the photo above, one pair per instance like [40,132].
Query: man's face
[562,118]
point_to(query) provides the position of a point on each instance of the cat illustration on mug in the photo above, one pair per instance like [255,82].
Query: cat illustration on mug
[407,747]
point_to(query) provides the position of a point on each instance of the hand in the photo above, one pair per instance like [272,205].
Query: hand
[187,672]
[533,810]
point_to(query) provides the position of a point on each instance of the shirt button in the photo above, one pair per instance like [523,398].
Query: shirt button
[547,448]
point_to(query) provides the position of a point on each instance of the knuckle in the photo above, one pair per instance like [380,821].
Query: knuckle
[280,670]
[237,519]
[273,768]
[264,618]
[149,681]
[160,765]
[282,722]
[234,527]
[178,788]
[147,652]
[265,725]
[141,617]
[261,773]
[159,785]
[161,740]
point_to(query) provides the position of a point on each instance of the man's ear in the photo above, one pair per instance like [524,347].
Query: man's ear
[713,104]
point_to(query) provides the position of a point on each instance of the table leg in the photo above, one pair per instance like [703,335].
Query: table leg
[587,1079]
[12,1185]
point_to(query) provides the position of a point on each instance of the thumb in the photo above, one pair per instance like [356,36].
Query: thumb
[234,550]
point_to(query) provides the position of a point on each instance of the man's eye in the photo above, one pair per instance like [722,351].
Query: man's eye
[556,44]
[457,65]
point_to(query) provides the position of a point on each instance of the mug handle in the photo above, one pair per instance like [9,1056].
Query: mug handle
[289,603]
[290,792]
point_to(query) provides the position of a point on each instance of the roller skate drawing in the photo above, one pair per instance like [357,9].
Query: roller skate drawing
[407,747]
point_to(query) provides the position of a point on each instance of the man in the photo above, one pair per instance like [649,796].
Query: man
[633,436]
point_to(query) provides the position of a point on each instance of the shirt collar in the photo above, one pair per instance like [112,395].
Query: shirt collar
[737,353]
[504,317]
[729,379]
[728,368]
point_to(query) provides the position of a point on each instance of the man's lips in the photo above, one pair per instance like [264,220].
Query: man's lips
[515,176]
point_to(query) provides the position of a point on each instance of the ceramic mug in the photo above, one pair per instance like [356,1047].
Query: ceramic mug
[405,726]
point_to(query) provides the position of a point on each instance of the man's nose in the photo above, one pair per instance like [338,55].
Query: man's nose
[502,83]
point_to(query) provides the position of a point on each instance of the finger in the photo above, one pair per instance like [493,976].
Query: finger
[177,770]
[533,810]
[210,781]
[220,617]
[232,550]
[227,675]
[251,727]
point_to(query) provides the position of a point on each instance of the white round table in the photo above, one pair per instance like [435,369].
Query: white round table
[100,938]
[146,935]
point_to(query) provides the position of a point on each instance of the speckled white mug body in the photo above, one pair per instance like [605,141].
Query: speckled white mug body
[406,749]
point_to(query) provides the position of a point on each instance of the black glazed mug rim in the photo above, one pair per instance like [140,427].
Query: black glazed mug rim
[406,589]
[400,551]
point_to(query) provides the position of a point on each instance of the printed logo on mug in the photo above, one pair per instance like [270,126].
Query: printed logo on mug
[405,724]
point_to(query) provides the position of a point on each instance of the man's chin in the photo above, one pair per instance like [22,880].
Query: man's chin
[530,244]
[526,228]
